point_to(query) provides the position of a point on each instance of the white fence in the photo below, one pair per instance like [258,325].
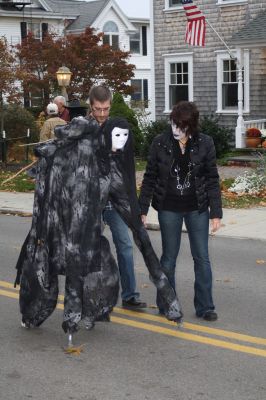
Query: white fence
[255,123]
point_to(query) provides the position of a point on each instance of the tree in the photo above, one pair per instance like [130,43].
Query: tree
[39,62]
[88,60]
[8,77]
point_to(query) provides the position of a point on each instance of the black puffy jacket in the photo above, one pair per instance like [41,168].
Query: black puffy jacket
[205,173]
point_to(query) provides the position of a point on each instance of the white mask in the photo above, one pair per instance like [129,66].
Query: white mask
[119,138]
[177,132]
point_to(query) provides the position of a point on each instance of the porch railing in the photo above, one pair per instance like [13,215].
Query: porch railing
[255,123]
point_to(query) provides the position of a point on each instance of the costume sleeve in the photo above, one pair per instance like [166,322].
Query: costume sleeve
[149,180]
[212,181]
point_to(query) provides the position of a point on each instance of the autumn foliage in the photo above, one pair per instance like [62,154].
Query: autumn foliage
[8,73]
[84,54]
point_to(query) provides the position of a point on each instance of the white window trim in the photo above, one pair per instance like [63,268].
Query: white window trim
[175,58]
[168,9]
[221,56]
[226,3]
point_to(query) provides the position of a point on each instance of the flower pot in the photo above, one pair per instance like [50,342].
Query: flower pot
[253,141]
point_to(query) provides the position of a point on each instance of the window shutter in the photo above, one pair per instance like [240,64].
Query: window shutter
[145,90]
[44,29]
[23,30]
[26,97]
[144,40]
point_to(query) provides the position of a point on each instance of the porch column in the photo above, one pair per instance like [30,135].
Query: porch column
[240,128]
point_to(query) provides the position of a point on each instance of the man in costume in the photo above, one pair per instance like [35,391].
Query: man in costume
[77,174]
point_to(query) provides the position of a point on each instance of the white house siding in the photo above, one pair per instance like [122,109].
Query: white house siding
[169,35]
[112,16]
[10,27]
[142,63]
[143,69]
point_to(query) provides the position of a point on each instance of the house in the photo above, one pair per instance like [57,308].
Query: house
[19,17]
[210,75]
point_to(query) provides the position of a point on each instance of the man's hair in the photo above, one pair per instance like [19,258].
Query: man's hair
[60,99]
[99,93]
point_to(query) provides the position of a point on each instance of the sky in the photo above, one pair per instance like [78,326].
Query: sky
[134,8]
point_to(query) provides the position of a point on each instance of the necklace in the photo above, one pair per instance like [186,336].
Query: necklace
[186,182]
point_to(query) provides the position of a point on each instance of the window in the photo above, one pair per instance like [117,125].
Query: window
[140,88]
[173,3]
[138,42]
[135,43]
[227,83]
[38,30]
[178,79]
[34,97]
[34,29]
[111,35]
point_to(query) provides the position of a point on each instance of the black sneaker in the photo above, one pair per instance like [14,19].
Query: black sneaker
[210,316]
[133,304]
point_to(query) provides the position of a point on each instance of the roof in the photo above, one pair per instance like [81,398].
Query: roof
[90,11]
[85,11]
[253,33]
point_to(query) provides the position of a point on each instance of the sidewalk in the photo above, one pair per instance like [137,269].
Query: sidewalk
[242,223]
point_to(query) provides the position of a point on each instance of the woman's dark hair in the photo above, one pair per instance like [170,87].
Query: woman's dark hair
[185,114]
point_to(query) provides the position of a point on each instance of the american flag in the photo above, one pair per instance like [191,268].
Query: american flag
[196,24]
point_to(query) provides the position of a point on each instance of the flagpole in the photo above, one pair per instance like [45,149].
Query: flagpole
[228,48]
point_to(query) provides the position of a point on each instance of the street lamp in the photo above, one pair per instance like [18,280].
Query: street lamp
[63,78]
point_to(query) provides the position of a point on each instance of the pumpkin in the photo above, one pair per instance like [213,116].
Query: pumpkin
[263,144]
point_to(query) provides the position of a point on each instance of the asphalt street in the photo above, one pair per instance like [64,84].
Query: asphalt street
[141,356]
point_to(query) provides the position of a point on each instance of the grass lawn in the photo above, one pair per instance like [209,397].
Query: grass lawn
[22,183]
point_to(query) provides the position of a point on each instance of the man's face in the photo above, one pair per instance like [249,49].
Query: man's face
[100,110]
[60,105]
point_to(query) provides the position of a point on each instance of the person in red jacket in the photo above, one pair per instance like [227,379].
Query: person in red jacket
[63,112]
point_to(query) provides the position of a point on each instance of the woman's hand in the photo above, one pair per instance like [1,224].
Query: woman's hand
[144,220]
[215,224]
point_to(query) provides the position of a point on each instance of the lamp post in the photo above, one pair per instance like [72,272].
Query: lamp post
[63,78]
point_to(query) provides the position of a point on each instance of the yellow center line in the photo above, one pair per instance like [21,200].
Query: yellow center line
[171,332]
[190,337]
[193,327]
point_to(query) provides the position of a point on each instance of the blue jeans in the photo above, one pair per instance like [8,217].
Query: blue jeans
[198,232]
[124,251]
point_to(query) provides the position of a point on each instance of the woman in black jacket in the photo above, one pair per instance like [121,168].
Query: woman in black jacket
[182,183]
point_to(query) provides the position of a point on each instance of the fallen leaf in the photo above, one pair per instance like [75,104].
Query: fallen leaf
[260,261]
[152,306]
[74,350]
[144,285]
[232,222]
[227,280]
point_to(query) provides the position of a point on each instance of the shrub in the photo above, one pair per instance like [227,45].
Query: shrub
[252,183]
[120,109]
[221,135]
[16,122]
[150,131]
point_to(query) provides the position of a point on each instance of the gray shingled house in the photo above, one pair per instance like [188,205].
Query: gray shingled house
[209,75]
